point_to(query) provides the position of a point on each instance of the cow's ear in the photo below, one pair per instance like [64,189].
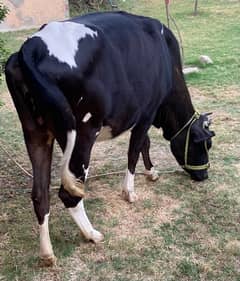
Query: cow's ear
[200,134]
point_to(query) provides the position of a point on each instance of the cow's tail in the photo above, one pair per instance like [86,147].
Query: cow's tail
[54,104]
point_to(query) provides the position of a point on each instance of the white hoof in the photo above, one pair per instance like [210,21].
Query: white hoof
[129,196]
[95,236]
[151,175]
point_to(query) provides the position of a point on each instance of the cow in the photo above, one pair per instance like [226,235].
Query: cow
[92,78]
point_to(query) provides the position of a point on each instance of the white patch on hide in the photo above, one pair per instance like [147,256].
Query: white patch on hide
[80,217]
[162,30]
[62,39]
[79,101]
[86,117]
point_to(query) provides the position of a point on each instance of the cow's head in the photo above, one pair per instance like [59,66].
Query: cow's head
[190,146]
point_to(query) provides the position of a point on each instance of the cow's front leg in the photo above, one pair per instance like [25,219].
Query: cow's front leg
[79,166]
[40,144]
[137,139]
[80,217]
[150,172]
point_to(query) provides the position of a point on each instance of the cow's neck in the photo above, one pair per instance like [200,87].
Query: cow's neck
[176,111]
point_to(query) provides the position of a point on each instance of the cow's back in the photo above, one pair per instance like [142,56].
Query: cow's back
[134,57]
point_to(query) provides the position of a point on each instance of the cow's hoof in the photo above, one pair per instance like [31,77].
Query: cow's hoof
[129,196]
[96,237]
[48,260]
[151,175]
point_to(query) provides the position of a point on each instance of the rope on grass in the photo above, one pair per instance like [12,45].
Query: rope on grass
[168,171]
[169,17]
[15,162]
[179,36]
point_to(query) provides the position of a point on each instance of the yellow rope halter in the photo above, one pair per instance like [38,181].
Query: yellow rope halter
[195,117]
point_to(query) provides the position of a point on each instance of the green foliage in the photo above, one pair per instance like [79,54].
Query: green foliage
[3,11]
[84,6]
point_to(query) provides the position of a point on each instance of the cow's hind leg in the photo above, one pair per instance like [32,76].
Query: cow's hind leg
[40,145]
[39,142]
[79,164]
[137,140]
[150,172]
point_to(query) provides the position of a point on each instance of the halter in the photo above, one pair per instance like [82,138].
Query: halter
[190,122]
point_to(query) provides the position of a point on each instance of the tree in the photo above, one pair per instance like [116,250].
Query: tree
[195,7]
[3,51]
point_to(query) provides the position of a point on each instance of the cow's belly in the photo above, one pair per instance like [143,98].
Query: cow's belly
[106,133]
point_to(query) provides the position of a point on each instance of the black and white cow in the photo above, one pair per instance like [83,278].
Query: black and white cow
[91,78]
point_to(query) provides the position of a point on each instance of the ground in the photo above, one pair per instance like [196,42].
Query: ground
[178,230]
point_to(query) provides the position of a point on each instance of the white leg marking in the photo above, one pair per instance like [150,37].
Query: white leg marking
[86,117]
[80,217]
[46,251]
[85,171]
[151,174]
[62,38]
[128,188]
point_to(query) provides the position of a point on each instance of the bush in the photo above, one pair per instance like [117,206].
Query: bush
[84,6]
[3,51]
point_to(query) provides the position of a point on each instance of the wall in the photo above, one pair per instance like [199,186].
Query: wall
[33,13]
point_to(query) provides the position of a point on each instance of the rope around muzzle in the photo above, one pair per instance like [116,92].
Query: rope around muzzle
[189,124]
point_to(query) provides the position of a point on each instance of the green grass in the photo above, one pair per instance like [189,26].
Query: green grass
[214,32]
[178,230]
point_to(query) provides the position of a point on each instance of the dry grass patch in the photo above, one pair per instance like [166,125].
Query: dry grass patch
[147,239]
[233,247]
[128,219]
